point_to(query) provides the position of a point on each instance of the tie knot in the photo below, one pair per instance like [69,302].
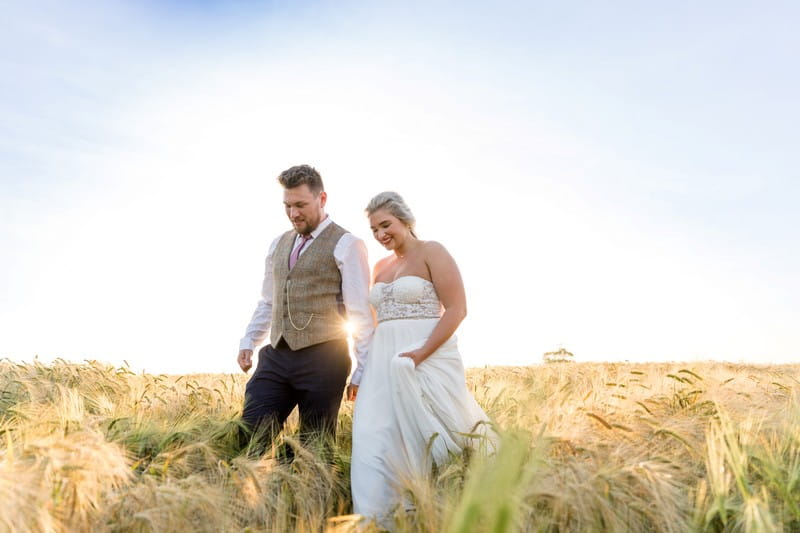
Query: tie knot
[296,252]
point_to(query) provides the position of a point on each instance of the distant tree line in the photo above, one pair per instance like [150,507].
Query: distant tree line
[559,356]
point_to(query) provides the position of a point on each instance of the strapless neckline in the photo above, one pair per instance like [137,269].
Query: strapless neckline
[402,277]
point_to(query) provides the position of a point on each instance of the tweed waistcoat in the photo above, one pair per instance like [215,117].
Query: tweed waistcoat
[307,303]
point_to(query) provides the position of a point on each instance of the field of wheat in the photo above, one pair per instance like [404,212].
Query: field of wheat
[585,447]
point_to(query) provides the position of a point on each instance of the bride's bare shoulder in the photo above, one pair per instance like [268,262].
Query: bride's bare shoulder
[380,265]
[382,262]
[434,248]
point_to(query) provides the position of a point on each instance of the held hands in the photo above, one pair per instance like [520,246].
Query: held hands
[415,355]
[352,392]
[245,360]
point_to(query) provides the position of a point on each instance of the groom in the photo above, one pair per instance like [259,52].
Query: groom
[316,277]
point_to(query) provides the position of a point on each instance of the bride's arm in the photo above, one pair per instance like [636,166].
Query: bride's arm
[450,288]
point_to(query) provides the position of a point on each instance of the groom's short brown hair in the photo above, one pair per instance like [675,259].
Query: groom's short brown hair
[299,175]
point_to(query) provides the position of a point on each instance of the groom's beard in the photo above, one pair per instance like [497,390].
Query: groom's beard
[304,227]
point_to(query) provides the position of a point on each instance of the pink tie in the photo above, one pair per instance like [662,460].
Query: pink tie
[296,251]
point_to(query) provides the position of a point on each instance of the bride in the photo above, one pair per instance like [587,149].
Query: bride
[412,408]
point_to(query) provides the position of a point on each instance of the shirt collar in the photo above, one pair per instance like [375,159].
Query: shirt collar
[322,225]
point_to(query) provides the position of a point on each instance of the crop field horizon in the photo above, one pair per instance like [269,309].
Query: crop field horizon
[669,447]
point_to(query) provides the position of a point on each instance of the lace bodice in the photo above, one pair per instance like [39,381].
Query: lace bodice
[405,297]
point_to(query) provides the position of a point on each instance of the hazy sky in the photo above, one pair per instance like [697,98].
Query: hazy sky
[620,180]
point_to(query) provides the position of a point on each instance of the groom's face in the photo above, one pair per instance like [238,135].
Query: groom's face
[304,209]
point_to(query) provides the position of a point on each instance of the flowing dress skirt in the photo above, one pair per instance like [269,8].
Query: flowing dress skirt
[407,418]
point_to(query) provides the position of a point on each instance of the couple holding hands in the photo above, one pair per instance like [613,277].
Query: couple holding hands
[412,407]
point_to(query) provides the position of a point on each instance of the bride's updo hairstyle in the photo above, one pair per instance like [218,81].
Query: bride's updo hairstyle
[394,204]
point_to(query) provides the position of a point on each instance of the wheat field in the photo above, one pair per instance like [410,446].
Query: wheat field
[585,447]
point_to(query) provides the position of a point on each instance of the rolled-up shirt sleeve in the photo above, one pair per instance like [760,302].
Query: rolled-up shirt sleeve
[258,328]
[351,257]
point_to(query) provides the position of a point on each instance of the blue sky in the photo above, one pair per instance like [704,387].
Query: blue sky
[633,166]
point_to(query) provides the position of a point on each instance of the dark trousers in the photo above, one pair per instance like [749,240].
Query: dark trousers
[313,379]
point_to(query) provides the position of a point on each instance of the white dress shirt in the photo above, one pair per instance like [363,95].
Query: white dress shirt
[350,255]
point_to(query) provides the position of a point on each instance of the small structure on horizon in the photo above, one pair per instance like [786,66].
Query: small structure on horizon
[562,355]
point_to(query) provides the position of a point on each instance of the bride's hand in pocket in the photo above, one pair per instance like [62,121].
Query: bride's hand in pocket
[414,355]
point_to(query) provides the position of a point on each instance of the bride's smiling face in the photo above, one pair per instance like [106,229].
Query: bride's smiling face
[388,229]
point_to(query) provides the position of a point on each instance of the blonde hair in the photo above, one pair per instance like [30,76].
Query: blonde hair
[395,205]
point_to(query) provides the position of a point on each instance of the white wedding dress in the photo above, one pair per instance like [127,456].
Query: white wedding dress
[407,418]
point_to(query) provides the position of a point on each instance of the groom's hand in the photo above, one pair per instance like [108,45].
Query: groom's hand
[245,359]
[352,392]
